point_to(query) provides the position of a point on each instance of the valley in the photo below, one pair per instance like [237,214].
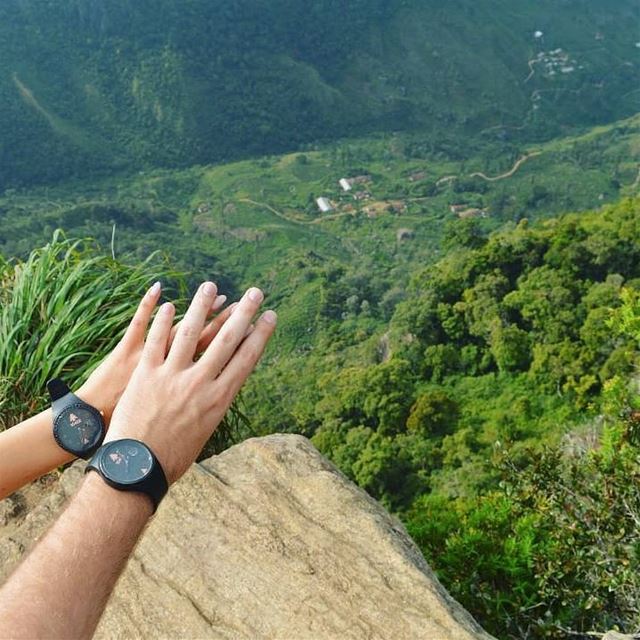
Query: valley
[442,202]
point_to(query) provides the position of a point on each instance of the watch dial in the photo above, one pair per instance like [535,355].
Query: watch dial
[126,461]
[78,428]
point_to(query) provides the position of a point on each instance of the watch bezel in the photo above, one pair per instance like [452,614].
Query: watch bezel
[85,450]
[124,442]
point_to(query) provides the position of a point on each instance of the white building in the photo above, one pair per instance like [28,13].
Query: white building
[324,205]
[345,184]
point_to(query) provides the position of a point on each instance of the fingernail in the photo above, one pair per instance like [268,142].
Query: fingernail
[154,290]
[255,295]
[219,301]
[209,289]
[270,316]
[166,308]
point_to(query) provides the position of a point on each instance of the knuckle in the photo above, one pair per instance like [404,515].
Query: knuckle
[227,338]
[252,353]
[188,331]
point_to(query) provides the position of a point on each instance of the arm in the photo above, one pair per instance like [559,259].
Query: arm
[172,404]
[28,450]
[62,587]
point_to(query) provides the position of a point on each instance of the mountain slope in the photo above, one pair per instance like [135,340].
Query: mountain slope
[89,87]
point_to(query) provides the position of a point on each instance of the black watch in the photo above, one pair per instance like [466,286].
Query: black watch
[129,465]
[77,426]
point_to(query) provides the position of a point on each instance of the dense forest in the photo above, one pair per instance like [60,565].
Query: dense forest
[91,88]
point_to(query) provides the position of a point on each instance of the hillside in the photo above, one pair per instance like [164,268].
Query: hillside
[441,200]
[91,88]
[236,220]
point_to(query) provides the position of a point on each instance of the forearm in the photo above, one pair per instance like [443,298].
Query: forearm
[28,450]
[62,588]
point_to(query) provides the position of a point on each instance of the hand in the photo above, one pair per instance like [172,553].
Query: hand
[108,381]
[174,403]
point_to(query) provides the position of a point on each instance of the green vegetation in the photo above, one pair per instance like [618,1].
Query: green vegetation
[460,413]
[88,89]
[236,221]
[62,310]
[554,549]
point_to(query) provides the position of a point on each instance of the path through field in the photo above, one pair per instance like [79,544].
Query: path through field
[509,173]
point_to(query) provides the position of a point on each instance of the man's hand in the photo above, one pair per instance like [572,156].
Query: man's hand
[107,383]
[173,402]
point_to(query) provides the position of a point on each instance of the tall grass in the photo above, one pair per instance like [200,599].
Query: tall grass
[61,311]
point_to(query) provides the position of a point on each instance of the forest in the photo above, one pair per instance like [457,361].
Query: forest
[95,89]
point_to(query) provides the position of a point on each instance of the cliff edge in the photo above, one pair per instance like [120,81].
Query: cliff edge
[266,540]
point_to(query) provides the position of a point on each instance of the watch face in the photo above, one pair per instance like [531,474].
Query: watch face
[126,461]
[78,429]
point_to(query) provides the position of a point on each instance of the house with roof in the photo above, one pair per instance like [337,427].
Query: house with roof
[345,184]
[324,204]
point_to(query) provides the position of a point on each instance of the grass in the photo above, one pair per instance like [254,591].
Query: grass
[62,311]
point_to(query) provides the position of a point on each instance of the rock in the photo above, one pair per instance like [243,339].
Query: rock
[614,635]
[267,540]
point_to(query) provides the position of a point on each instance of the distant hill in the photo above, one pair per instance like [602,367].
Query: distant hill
[88,87]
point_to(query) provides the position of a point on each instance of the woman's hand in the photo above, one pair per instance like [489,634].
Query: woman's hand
[173,403]
[107,383]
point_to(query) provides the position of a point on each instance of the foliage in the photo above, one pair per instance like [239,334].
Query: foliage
[554,550]
[91,88]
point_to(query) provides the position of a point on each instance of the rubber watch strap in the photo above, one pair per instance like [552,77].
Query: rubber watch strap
[57,389]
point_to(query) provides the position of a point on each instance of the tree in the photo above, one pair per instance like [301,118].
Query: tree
[510,348]
[434,414]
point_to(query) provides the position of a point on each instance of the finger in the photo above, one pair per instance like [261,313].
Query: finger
[219,301]
[155,346]
[211,330]
[184,344]
[134,335]
[224,344]
[247,355]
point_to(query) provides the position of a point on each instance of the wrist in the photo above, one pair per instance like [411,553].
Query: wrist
[92,395]
[97,492]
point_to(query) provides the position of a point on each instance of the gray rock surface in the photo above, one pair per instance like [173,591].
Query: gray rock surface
[267,540]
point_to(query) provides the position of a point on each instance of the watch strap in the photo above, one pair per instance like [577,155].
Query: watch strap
[60,394]
[57,389]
